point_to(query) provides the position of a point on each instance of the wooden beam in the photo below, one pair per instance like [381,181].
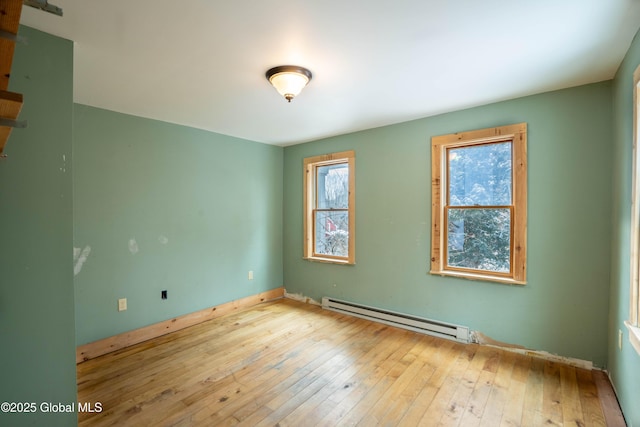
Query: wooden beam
[10,11]
[116,342]
[10,106]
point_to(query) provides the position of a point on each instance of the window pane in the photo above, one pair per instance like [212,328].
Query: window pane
[333,186]
[479,239]
[480,175]
[332,233]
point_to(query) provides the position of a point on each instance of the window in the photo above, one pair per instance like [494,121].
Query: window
[479,204]
[634,295]
[329,208]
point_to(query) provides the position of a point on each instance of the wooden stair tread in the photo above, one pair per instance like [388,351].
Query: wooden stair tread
[10,106]
[10,11]
[10,103]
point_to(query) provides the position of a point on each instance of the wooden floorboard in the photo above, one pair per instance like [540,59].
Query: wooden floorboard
[286,363]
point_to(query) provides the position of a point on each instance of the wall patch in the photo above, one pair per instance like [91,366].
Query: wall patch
[79,258]
[133,246]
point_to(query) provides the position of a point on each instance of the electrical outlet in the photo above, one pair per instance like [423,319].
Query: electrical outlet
[620,339]
[122,304]
[250,275]
[163,294]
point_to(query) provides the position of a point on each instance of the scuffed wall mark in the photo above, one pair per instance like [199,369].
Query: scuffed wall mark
[79,258]
[133,246]
[301,298]
[64,163]
[163,239]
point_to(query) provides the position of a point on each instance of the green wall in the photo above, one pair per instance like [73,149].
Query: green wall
[563,308]
[624,366]
[202,208]
[37,359]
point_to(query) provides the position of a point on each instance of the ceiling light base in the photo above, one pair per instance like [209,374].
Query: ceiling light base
[289,80]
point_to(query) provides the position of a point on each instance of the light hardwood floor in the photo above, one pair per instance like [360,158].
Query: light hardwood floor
[291,364]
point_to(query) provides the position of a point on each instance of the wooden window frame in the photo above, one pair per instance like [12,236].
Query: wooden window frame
[633,324]
[310,166]
[517,135]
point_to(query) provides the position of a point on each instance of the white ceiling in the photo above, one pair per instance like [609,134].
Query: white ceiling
[201,63]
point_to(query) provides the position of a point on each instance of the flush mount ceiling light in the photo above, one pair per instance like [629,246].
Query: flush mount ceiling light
[289,80]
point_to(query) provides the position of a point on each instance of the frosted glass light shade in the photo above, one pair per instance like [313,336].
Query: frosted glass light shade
[289,80]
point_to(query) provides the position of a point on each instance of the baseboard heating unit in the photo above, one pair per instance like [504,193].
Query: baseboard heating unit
[405,321]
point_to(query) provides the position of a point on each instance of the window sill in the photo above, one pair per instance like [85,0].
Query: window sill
[329,260]
[634,336]
[483,277]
